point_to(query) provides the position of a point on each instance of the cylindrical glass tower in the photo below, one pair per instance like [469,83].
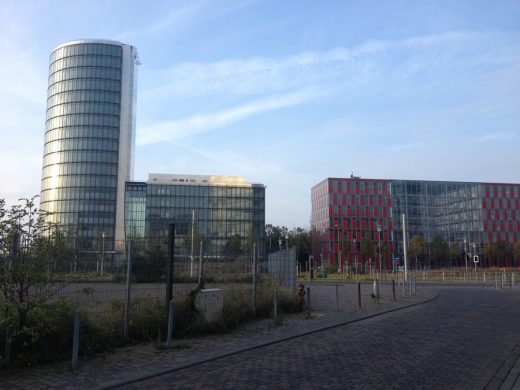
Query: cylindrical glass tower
[89,141]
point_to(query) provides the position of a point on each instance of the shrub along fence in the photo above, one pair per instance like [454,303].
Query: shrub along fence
[46,334]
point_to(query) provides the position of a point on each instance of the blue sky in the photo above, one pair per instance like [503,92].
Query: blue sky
[285,93]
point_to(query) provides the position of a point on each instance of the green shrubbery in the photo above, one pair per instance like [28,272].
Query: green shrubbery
[48,333]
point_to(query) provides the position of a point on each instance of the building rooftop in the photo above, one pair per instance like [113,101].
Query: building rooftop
[162,178]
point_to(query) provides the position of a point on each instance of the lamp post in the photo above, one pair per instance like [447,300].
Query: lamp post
[355,255]
[379,248]
[466,253]
[102,251]
[475,254]
[338,262]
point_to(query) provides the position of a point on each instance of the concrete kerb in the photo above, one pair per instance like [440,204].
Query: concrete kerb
[117,384]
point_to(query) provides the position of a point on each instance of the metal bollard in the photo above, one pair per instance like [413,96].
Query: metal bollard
[375,290]
[496,282]
[393,288]
[169,336]
[359,294]
[512,279]
[337,299]
[75,342]
[309,301]
[276,306]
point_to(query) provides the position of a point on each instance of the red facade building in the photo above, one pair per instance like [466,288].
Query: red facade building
[358,221]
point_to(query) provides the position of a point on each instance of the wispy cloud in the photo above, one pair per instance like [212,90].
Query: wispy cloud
[396,59]
[499,136]
[182,18]
[176,129]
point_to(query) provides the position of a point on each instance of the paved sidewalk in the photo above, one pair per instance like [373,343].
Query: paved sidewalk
[134,362]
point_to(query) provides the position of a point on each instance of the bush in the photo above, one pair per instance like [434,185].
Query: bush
[48,333]
[46,336]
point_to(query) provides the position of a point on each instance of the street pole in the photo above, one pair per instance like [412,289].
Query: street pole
[474,254]
[192,231]
[102,251]
[200,263]
[405,253]
[355,256]
[466,254]
[379,249]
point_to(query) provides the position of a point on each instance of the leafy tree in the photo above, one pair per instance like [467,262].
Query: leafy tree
[503,251]
[454,252]
[490,252]
[516,252]
[416,248]
[30,252]
[233,247]
[302,240]
[368,248]
[439,250]
[273,234]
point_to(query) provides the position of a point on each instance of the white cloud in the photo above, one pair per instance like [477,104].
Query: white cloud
[499,136]
[187,127]
[182,18]
[399,59]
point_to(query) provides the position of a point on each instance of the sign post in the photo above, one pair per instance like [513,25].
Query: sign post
[475,261]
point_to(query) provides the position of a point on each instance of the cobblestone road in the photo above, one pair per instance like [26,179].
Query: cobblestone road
[468,338]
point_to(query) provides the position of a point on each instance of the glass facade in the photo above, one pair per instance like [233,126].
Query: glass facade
[348,210]
[90,100]
[220,211]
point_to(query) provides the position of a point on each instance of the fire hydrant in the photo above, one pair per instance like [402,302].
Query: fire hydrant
[301,294]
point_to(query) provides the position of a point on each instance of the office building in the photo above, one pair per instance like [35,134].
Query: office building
[89,141]
[359,221]
[213,209]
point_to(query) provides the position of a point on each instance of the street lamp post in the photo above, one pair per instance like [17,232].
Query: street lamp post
[379,248]
[338,265]
[102,251]
[355,255]
[466,253]
[475,254]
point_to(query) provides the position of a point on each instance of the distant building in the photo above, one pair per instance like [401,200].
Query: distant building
[89,141]
[217,208]
[350,214]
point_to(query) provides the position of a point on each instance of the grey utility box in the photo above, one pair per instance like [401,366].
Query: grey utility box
[210,304]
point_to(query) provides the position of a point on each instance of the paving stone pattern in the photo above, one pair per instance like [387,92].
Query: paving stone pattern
[464,339]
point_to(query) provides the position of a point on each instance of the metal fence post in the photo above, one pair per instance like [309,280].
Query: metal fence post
[169,264]
[170,326]
[276,306]
[128,284]
[309,301]
[337,299]
[254,280]
[75,341]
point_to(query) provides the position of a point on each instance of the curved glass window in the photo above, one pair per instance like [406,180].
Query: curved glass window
[81,152]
